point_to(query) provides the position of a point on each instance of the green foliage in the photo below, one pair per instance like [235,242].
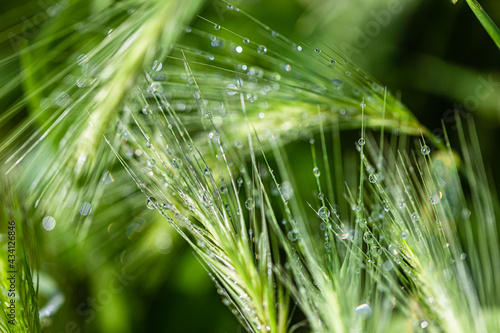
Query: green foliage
[310,194]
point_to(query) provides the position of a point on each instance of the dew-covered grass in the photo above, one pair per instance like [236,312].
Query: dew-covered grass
[309,193]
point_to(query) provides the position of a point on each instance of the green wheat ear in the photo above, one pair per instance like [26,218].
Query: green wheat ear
[83,116]
[200,120]
[101,77]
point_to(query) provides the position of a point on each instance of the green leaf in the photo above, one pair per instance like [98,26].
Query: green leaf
[486,21]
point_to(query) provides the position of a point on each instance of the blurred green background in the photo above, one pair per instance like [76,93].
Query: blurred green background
[434,54]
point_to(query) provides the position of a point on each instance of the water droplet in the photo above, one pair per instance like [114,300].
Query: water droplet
[167,206]
[214,136]
[157,66]
[262,49]
[216,27]
[293,235]
[373,178]
[361,141]
[164,242]
[424,324]
[85,209]
[108,178]
[404,235]
[376,249]
[324,213]
[249,204]
[316,172]
[392,249]
[425,150]
[367,238]
[388,265]
[149,145]
[169,150]
[151,163]
[415,217]
[223,189]
[447,274]
[82,59]
[81,83]
[48,223]
[401,204]
[434,199]
[363,104]
[246,40]
[152,203]
[229,7]
[176,163]
[286,190]
[463,256]
[63,99]
[333,62]
[364,311]
[134,228]
[318,51]
[231,89]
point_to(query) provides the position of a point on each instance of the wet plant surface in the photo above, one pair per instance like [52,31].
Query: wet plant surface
[231,167]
